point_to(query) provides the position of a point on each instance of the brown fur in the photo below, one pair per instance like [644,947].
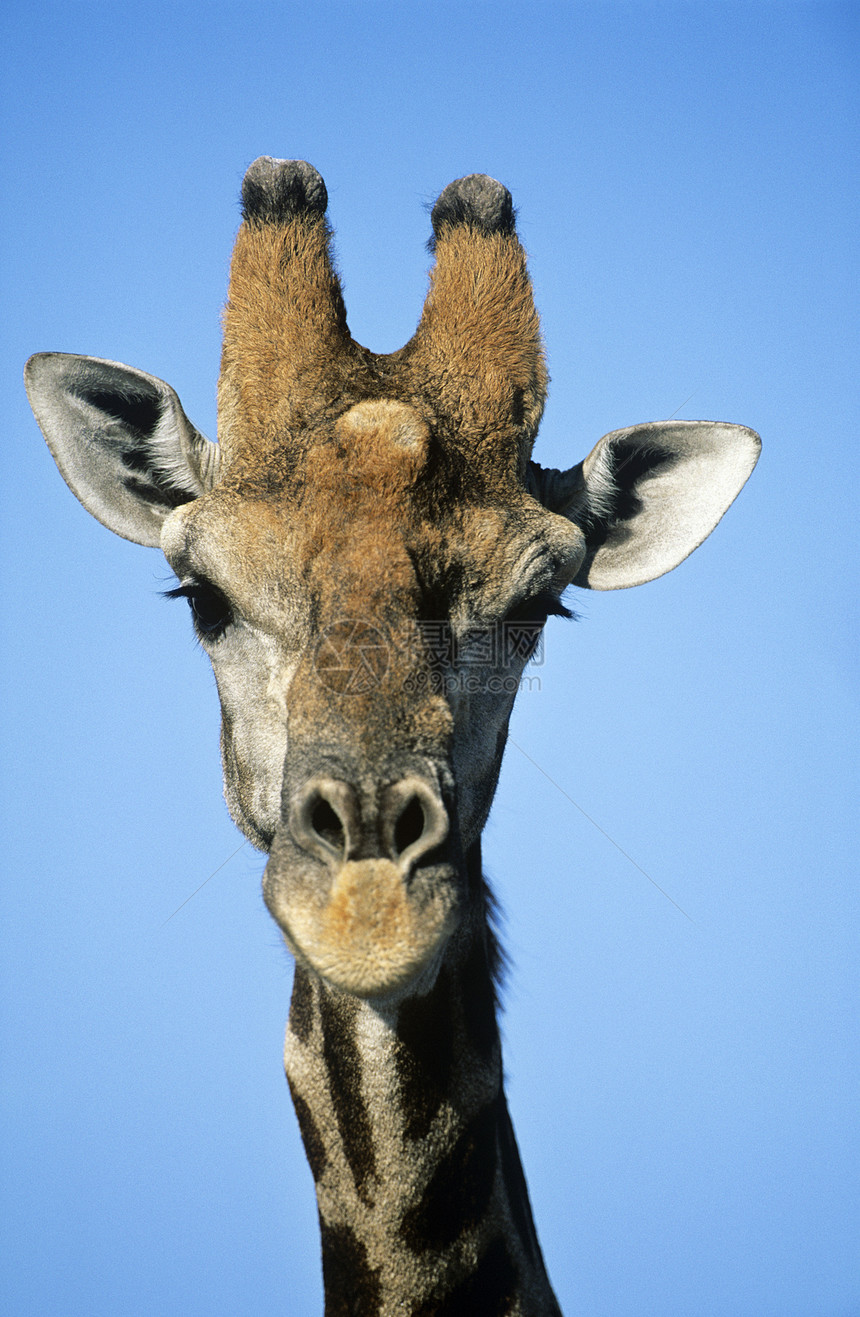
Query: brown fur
[474,367]
[382,469]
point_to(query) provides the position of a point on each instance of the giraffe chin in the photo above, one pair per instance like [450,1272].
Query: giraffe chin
[375,931]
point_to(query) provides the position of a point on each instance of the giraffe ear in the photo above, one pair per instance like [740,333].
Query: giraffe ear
[122,442]
[646,497]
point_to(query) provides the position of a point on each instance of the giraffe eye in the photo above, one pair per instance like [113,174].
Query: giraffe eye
[525,621]
[537,608]
[210,611]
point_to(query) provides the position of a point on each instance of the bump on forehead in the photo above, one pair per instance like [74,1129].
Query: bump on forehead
[384,432]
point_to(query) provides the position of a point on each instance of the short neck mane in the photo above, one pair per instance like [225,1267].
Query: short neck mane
[422,1200]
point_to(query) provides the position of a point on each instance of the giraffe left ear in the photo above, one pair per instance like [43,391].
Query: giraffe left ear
[647,496]
[121,439]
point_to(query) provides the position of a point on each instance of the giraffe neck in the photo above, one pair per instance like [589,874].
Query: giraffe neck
[422,1200]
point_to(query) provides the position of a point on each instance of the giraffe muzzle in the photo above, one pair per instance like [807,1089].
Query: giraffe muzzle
[361,880]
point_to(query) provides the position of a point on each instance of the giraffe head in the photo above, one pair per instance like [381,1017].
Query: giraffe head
[370,554]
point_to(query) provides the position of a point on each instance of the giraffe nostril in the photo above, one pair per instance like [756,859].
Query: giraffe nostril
[324,818]
[327,819]
[414,820]
[410,825]
[328,826]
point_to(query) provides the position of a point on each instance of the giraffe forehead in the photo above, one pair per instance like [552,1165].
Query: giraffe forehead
[367,517]
[347,543]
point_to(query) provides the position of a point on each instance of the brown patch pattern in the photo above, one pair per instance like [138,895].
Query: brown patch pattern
[302,1005]
[459,1191]
[311,1137]
[489,1291]
[343,1061]
[425,1055]
[352,1286]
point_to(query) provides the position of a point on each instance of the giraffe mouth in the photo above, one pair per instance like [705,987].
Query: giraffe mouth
[365,927]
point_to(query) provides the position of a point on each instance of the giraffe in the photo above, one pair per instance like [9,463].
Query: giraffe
[369,554]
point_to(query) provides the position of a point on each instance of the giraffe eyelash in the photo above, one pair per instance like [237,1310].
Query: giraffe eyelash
[538,608]
[210,611]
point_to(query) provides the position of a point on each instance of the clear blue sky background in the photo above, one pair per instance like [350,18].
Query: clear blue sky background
[683,1082]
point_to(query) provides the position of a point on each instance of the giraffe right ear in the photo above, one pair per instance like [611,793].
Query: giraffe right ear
[122,442]
[647,496]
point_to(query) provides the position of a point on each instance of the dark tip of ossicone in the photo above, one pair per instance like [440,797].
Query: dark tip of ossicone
[276,190]
[476,200]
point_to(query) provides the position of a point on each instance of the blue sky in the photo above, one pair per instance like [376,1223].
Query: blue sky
[683,1082]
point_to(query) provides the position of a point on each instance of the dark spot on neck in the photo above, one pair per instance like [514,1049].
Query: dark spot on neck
[343,1062]
[425,1055]
[352,1287]
[311,1138]
[459,1191]
[489,1291]
[302,1005]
